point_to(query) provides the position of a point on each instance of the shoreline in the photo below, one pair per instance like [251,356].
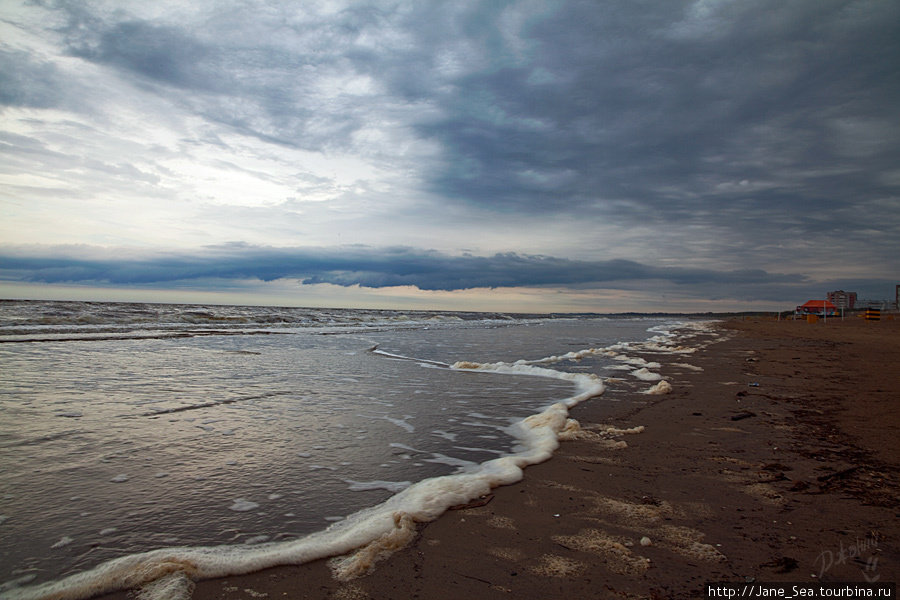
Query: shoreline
[787,480]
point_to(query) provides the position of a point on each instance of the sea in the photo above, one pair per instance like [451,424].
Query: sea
[154,444]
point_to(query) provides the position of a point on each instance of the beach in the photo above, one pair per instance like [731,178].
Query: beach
[777,462]
[735,451]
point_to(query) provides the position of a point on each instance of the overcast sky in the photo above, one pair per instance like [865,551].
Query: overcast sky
[582,156]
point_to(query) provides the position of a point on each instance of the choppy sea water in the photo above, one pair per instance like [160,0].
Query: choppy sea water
[234,438]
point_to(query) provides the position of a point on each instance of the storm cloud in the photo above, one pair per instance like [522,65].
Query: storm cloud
[365,267]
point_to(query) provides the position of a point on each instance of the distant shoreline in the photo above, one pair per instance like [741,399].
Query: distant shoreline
[535,315]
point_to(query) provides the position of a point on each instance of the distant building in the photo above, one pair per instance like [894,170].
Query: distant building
[817,307]
[843,300]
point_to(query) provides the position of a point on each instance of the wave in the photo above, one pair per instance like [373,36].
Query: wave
[369,535]
[223,402]
[36,321]
[422,361]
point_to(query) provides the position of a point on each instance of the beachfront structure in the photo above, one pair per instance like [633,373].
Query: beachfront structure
[822,308]
[843,300]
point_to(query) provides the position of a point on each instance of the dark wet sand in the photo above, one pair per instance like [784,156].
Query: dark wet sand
[793,479]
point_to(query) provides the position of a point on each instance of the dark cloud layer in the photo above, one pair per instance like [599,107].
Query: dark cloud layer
[366,267]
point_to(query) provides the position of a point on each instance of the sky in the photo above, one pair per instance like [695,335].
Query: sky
[530,156]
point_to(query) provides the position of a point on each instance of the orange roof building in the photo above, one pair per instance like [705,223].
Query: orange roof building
[817,307]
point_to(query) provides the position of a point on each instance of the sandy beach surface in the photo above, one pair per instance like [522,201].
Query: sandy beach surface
[778,461]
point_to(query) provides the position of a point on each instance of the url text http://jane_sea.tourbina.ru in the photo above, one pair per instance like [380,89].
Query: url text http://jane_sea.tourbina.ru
[789,590]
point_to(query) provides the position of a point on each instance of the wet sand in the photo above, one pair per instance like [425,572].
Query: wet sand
[778,461]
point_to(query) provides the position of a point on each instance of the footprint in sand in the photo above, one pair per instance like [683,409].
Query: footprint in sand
[499,522]
[552,565]
[617,556]
[510,554]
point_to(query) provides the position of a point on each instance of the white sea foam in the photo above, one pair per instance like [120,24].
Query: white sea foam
[646,375]
[381,528]
[365,486]
[637,361]
[421,361]
[588,384]
[408,448]
[172,586]
[444,434]
[687,366]
[486,450]
[442,459]
[64,541]
[668,341]
[401,422]
[618,368]
[369,533]
[663,387]
[256,539]
[242,505]
[658,347]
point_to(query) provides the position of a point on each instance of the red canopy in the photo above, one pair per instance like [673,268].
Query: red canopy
[819,304]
